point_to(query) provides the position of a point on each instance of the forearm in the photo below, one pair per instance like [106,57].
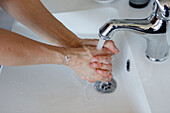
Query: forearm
[18,50]
[35,16]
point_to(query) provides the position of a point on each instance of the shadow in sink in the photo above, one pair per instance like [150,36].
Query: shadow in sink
[54,88]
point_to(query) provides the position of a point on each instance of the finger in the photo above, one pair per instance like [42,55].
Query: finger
[107,79]
[94,51]
[91,81]
[102,72]
[108,44]
[81,76]
[100,78]
[110,76]
[95,78]
[101,66]
[111,46]
[106,59]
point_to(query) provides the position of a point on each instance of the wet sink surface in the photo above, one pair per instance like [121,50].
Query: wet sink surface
[56,88]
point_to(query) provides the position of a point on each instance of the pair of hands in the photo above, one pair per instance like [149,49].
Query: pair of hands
[89,63]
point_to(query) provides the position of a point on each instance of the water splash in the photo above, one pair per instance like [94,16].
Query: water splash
[88,94]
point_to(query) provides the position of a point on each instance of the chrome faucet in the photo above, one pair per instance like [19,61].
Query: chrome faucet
[153,28]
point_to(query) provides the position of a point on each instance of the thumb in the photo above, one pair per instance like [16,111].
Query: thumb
[109,44]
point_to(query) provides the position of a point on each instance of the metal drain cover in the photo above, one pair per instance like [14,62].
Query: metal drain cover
[106,87]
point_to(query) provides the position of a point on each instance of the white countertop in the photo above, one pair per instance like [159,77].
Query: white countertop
[58,6]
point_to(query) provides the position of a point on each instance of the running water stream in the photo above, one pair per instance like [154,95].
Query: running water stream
[104,87]
[100,44]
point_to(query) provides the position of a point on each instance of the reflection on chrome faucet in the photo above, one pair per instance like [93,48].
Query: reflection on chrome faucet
[153,28]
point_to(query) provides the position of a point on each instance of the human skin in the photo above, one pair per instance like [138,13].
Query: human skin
[36,17]
[16,50]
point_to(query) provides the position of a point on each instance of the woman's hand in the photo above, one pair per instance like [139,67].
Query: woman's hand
[92,64]
[94,42]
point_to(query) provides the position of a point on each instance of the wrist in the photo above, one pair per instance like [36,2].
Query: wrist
[75,54]
[68,56]
[55,55]
[63,56]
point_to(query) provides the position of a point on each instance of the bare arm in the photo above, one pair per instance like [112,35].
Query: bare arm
[35,16]
[18,50]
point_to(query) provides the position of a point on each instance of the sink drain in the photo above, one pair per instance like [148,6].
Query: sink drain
[106,87]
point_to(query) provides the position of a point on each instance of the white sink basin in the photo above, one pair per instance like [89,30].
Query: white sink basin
[54,88]
[155,77]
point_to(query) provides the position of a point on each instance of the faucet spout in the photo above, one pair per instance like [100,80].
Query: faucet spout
[153,28]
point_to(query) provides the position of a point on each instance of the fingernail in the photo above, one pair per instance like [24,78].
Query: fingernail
[94,60]
[116,50]
[99,71]
[95,65]
[90,81]
[110,76]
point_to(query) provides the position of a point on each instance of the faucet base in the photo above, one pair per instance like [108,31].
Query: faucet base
[156,59]
[157,47]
